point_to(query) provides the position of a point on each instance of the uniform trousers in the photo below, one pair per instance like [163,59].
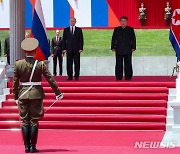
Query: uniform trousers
[30,111]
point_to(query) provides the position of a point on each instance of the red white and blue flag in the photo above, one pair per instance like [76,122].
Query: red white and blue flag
[39,31]
[175,32]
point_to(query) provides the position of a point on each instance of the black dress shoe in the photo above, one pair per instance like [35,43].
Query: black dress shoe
[76,78]
[118,79]
[69,78]
[33,149]
[128,79]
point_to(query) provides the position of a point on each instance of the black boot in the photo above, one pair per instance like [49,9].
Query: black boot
[34,135]
[26,137]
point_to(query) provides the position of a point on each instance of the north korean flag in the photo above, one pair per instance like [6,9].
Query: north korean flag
[174,36]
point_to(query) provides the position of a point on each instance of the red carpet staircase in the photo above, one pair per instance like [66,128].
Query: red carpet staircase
[99,106]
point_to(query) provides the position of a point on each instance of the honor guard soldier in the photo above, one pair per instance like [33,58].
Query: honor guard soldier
[167,14]
[29,93]
[142,14]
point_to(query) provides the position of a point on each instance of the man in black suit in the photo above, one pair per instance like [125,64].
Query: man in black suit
[7,49]
[56,48]
[123,44]
[0,48]
[73,45]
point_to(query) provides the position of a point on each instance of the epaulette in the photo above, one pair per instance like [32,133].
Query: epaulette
[18,59]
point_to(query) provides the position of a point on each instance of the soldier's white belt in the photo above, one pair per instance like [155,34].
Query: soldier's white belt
[30,83]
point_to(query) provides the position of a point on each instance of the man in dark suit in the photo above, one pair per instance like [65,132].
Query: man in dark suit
[0,48]
[27,35]
[123,44]
[73,45]
[7,49]
[56,48]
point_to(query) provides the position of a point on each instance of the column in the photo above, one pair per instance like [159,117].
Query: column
[17,29]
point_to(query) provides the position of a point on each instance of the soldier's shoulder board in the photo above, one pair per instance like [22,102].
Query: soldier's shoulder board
[18,59]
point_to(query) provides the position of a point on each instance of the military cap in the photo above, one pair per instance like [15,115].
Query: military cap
[29,44]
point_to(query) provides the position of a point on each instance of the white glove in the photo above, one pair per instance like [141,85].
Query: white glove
[178,63]
[16,101]
[60,96]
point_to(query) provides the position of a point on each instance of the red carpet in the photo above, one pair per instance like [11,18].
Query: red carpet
[109,89]
[89,118]
[109,96]
[156,79]
[100,103]
[85,142]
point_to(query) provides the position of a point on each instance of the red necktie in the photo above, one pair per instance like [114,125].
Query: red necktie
[57,40]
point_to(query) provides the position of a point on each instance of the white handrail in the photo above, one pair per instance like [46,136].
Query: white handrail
[3,82]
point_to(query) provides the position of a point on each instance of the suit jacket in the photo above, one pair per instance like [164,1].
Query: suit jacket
[0,49]
[73,43]
[56,47]
[22,72]
[7,46]
[123,40]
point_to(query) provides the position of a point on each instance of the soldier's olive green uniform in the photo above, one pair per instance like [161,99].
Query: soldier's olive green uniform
[30,105]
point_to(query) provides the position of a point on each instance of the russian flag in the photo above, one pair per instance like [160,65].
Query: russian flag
[174,36]
[39,31]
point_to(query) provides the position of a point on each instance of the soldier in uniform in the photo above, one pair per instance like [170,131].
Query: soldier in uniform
[29,93]
[167,14]
[142,14]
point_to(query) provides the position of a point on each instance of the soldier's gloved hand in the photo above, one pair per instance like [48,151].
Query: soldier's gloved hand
[60,96]
[16,101]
